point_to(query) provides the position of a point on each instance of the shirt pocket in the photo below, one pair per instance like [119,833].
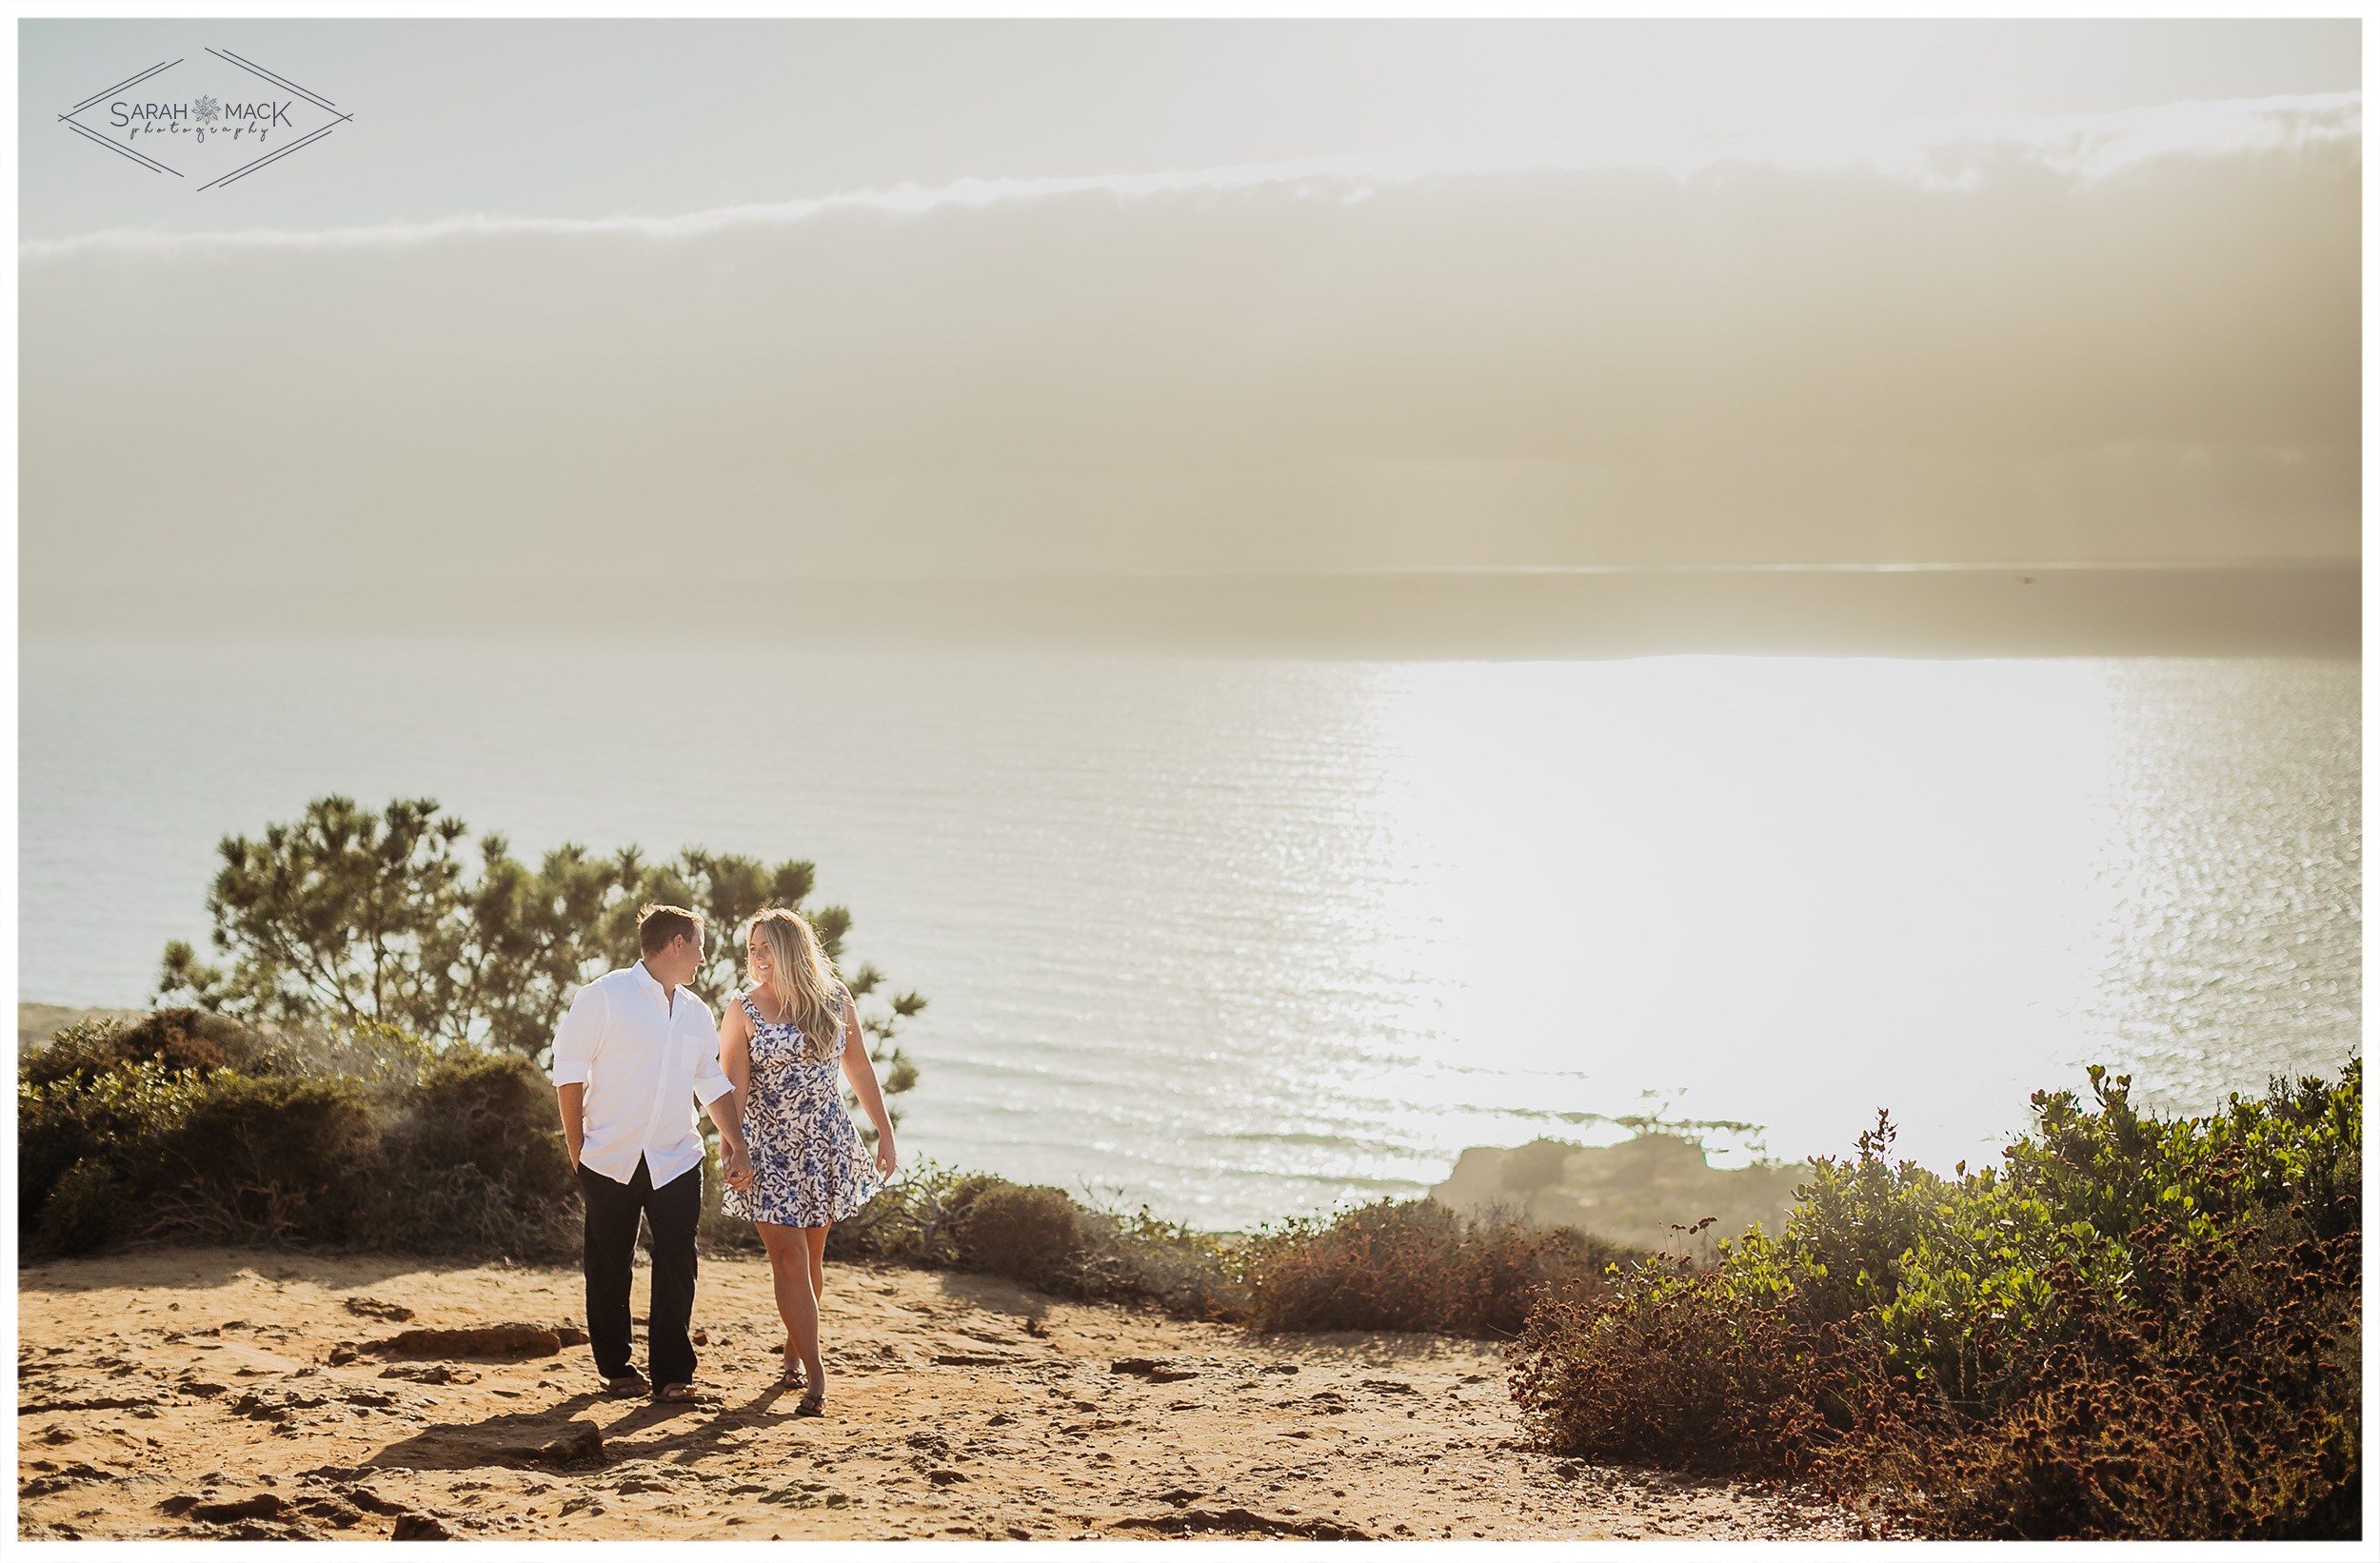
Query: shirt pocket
[687,1046]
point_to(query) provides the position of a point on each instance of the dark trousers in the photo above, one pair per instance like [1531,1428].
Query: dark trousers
[611,1212]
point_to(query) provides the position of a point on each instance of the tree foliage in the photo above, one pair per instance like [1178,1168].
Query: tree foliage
[349,918]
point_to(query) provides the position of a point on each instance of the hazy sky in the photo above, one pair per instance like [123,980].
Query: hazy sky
[590,119]
[854,297]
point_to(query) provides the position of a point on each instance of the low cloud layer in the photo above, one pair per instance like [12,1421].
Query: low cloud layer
[2138,341]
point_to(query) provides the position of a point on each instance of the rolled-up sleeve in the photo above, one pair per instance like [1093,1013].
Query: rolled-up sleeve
[710,1082]
[580,1036]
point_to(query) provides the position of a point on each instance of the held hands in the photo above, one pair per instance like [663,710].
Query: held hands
[736,1163]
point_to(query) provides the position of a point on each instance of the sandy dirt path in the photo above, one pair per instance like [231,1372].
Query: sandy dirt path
[209,1392]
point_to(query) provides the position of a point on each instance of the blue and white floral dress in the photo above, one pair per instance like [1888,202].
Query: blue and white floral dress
[809,1168]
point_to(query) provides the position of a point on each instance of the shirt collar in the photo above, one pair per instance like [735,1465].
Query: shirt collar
[646,978]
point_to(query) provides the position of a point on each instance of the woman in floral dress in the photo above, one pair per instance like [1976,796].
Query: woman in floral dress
[786,1042]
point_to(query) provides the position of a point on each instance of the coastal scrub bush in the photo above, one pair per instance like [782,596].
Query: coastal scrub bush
[912,1220]
[2217,1391]
[937,1218]
[2133,1326]
[1027,1232]
[456,1151]
[382,1061]
[1416,1265]
[142,1151]
[80,1140]
[178,1039]
[1136,1256]
[473,1159]
[264,1159]
[1693,1372]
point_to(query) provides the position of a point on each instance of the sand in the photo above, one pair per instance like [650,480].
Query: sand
[179,1392]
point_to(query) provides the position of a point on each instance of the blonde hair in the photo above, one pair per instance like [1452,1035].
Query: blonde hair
[804,987]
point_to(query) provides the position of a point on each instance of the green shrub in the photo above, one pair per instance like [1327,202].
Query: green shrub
[912,1220]
[494,1112]
[476,1160]
[189,1127]
[2216,1392]
[88,1047]
[265,1160]
[1416,1265]
[1693,1374]
[1027,1232]
[358,1138]
[2130,1327]
[937,1218]
[140,1152]
[88,1207]
[116,1118]
[382,1061]
[53,1131]
[1138,1258]
[178,1039]
[1388,1267]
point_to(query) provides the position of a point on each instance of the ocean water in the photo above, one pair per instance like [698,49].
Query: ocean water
[1243,938]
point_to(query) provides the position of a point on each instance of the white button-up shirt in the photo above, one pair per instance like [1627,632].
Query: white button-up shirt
[644,1061]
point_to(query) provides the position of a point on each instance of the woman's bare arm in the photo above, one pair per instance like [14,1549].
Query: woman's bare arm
[735,1061]
[860,1071]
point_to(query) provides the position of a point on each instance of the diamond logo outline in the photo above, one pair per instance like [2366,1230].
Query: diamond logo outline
[207,110]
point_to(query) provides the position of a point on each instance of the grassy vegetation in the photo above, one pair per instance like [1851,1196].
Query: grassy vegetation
[2133,1326]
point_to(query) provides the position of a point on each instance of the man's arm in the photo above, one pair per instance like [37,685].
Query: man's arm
[576,1042]
[735,1158]
[573,1117]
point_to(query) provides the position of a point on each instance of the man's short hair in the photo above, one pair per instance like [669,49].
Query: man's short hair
[657,925]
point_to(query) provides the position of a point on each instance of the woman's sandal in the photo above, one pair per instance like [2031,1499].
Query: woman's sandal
[812,1404]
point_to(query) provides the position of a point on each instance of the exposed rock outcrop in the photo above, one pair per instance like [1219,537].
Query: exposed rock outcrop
[1637,1191]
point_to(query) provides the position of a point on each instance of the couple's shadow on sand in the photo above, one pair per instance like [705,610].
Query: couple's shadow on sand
[556,1436]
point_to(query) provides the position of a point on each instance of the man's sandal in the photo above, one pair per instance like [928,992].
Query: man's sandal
[626,1385]
[674,1393]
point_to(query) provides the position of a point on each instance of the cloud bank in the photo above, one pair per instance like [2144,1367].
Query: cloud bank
[2131,337]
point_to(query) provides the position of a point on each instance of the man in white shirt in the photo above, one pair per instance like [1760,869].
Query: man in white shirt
[631,1058]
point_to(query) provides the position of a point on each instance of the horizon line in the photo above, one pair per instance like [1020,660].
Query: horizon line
[1353,572]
